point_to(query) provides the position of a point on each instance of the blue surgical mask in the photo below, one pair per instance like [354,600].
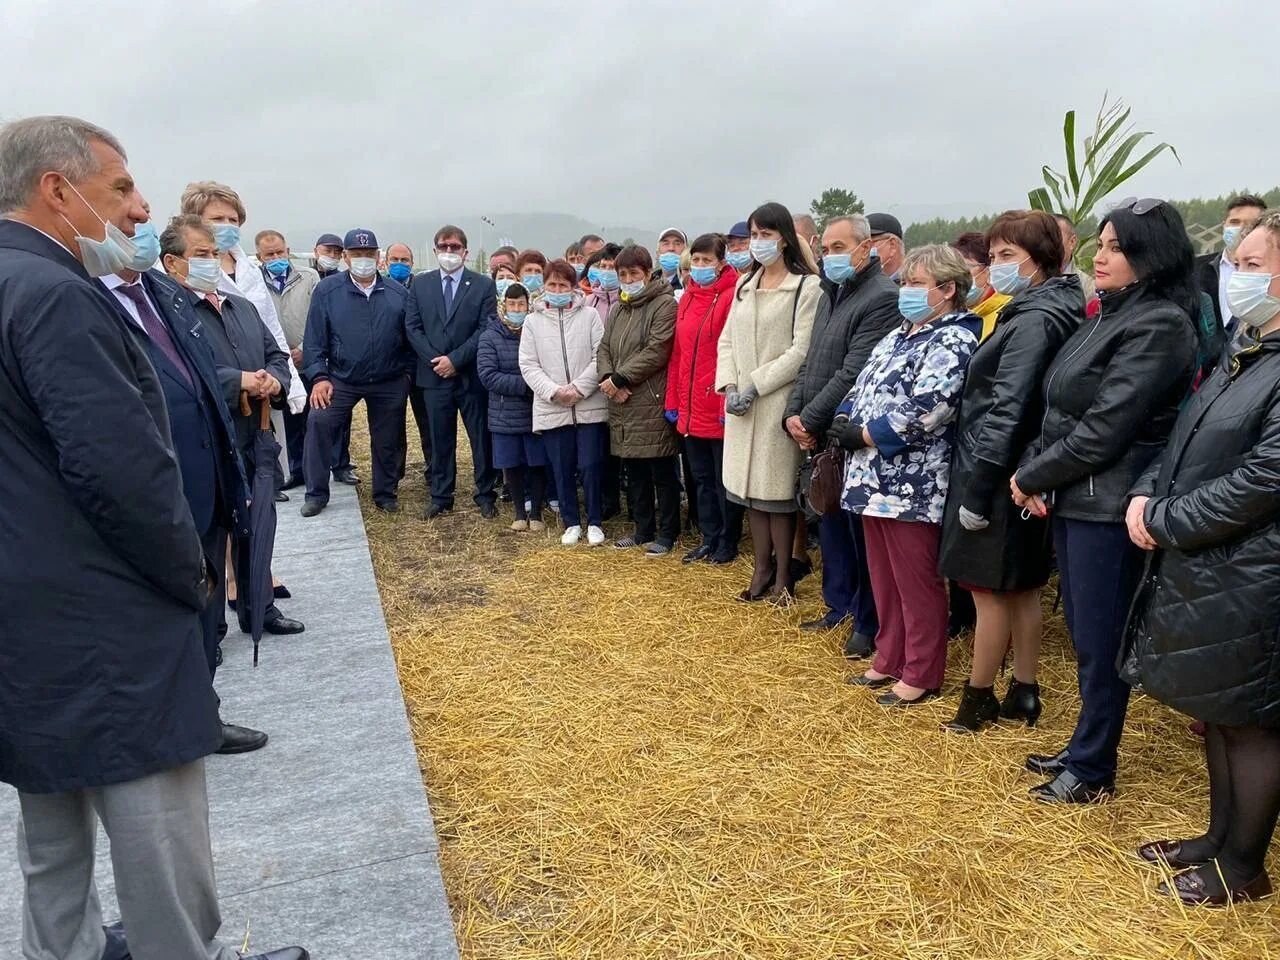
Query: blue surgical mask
[532,283]
[703,276]
[765,251]
[630,290]
[277,268]
[203,274]
[1231,238]
[502,286]
[516,318]
[400,272]
[146,247]
[739,259]
[974,295]
[838,267]
[1006,279]
[913,303]
[669,262]
[226,235]
[578,268]
[593,276]
[557,300]
[608,279]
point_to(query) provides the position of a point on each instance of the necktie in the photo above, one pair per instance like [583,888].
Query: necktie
[156,328]
[448,295]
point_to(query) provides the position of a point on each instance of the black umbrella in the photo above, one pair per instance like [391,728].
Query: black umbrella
[262,522]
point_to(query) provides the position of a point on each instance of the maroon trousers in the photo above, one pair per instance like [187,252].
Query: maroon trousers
[911,600]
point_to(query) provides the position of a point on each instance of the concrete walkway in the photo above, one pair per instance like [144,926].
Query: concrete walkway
[324,838]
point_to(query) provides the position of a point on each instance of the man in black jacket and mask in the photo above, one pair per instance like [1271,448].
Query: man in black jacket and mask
[860,306]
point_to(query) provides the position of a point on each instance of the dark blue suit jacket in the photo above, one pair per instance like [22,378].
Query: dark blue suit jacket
[213,477]
[455,334]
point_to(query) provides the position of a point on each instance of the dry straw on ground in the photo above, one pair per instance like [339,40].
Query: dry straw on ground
[624,762]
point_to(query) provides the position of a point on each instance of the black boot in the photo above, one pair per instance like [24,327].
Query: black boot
[978,707]
[1022,702]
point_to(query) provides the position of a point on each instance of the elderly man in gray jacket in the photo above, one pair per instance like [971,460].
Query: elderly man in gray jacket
[859,306]
[290,286]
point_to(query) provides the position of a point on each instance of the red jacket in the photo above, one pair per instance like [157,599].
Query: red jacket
[691,378]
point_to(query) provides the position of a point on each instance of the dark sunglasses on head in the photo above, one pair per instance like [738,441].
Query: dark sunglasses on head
[1139,206]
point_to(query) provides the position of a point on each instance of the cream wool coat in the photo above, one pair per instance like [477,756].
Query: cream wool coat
[758,348]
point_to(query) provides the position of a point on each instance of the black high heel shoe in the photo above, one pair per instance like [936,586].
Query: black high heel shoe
[1022,702]
[978,707]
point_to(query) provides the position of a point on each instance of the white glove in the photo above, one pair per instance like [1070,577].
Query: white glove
[972,522]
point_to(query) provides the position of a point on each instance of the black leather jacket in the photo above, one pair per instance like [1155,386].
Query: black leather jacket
[1111,397]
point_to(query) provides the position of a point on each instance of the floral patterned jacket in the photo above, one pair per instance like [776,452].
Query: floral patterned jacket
[907,397]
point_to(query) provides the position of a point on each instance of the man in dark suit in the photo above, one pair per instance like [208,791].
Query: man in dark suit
[400,269]
[446,312]
[106,707]
[1213,270]
[213,481]
[246,358]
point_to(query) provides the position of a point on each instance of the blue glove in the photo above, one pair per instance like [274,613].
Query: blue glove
[671,416]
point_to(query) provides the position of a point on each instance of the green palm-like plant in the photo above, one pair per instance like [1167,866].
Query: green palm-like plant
[1106,155]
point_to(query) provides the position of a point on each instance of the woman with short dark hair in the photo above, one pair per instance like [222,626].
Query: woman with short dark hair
[530,267]
[1111,396]
[1203,635]
[692,403]
[632,366]
[602,276]
[983,300]
[987,547]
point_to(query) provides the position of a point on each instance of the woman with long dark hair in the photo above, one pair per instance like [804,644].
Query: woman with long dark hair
[761,349]
[1111,397]
[987,546]
[1203,633]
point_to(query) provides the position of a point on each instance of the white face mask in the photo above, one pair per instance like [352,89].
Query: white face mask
[362,268]
[113,253]
[328,263]
[1250,300]
[449,262]
[203,274]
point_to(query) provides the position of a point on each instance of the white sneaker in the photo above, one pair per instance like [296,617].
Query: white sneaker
[595,536]
[571,536]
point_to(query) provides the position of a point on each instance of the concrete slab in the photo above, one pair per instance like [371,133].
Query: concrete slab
[324,838]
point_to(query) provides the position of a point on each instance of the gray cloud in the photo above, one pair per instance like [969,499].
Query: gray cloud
[639,112]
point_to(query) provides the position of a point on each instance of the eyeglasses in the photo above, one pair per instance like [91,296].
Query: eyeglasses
[450,247]
[1138,206]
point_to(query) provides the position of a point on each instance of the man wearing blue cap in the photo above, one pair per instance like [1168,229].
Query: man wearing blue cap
[355,349]
[328,254]
[738,246]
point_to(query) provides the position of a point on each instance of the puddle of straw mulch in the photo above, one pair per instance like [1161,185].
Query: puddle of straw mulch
[624,762]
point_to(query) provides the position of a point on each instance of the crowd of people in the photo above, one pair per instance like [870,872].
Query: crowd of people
[953,423]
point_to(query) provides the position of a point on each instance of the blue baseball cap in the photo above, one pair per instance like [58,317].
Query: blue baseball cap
[740,230]
[329,240]
[360,239]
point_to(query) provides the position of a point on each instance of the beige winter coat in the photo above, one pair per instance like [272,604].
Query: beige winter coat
[293,304]
[558,347]
[760,348]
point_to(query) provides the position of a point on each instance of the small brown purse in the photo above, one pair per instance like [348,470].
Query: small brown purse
[826,480]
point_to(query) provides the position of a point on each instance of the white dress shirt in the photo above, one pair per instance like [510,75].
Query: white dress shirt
[1225,269]
[113,283]
[367,291]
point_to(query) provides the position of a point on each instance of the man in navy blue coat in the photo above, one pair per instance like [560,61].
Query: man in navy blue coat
[448,308]
[355,349]
[159,311]
[106,707]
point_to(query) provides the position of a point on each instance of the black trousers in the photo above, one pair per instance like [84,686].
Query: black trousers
[424,435]
[689,482]
[651,479]
[295,435]
[1100,569]
[719,521]
[384,404]
[444,406]
[213,621]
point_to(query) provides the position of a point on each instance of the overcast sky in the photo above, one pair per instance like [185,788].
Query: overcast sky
[640,112]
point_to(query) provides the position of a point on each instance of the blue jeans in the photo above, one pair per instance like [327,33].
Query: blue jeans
[573,452]
[1100,569]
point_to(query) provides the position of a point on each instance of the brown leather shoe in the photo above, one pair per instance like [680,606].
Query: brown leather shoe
[1166,853]
[1194,889]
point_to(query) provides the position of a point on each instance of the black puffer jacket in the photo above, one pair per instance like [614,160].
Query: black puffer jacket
[1204,635]
[999,416]
[1111,397]
[851,319]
